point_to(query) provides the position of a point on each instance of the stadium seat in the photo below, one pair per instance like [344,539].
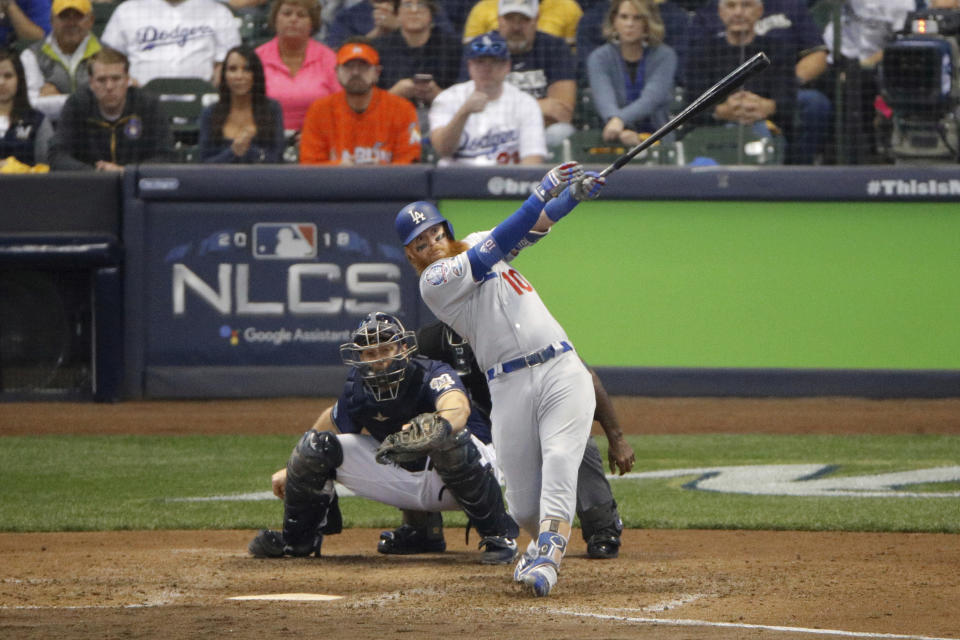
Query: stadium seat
[183,100]
[588,147]
[729,145]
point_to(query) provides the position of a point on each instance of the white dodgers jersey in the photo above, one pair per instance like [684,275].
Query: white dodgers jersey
[508,129]
[502,316]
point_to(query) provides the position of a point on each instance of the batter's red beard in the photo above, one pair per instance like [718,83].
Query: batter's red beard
[420,264]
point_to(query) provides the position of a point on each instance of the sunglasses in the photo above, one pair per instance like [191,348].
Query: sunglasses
[488,47]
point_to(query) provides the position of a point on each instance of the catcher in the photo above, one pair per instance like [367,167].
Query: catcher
[418,453]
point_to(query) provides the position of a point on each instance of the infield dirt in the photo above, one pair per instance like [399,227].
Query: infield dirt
[175,584]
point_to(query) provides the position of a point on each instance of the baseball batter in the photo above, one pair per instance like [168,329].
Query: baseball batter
[543,399]
[386,390]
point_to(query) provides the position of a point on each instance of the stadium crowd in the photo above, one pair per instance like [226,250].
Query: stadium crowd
[98,84]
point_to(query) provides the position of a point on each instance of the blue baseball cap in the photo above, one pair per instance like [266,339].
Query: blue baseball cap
[487,45]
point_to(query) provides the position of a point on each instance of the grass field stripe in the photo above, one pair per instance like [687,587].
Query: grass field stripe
[739,625]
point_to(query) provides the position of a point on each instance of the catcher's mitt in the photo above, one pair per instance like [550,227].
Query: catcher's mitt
[425,432]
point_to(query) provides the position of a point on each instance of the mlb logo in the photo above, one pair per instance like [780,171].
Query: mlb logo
[284,240]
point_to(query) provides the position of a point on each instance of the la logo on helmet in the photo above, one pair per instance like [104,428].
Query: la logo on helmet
[418,216]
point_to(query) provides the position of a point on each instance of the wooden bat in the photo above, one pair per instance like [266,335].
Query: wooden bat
[707,99]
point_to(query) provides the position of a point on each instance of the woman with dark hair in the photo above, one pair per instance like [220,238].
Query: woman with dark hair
[25,133]
[245,126]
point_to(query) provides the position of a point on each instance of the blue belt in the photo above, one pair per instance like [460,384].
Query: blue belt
[529,360]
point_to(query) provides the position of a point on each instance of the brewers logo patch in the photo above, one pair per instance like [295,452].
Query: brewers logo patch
[437,273]
[441,382]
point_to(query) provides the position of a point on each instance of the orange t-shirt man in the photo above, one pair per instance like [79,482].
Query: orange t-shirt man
[363,124]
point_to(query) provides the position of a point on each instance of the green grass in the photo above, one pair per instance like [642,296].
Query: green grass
[131,482]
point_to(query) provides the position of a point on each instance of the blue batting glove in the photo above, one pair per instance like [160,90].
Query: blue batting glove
[557,180]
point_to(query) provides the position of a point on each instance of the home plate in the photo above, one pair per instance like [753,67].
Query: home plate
[289,597]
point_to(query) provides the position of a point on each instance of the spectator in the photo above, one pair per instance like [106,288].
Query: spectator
[110,124]
[540,65]
[373,19]
[57,65]
[631,77]
[557,17]
[866,26]
[790,22]
[245,126]
[172,38]
[363,124]
[419,59]
[766,98]
[24,132]
[676,24]
[23,20]
[298,69]
[487,120]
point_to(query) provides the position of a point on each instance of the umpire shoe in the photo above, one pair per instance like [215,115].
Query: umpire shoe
[497,550]
[407,540]
[603,547]
[269,544]
[541,576]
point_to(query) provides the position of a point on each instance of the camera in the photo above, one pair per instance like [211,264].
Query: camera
[920,82]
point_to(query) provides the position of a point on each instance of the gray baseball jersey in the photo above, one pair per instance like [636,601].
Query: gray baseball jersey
[542,414]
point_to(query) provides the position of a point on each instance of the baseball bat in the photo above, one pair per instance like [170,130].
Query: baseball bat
[707,99]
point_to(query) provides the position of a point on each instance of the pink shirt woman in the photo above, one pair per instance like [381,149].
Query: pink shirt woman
[298,69]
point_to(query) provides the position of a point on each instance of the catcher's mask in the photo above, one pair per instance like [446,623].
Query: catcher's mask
[380,351]
[417,217]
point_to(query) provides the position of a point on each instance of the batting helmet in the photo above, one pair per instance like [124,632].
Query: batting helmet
[382,371]
[417,217]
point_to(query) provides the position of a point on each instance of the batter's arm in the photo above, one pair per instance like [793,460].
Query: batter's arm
[619,451]
[278,481]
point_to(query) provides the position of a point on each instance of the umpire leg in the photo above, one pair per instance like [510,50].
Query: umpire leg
[596,508]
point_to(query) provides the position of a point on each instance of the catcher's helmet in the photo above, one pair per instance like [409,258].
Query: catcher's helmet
[417,217]
[382,370]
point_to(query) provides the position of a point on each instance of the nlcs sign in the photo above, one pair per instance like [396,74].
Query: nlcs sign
[369,286]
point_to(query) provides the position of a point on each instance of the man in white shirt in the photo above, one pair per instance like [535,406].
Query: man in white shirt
[486,120]
[172,38]
[55,66]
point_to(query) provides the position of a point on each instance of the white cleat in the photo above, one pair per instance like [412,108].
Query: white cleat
[541,576]
[526,558]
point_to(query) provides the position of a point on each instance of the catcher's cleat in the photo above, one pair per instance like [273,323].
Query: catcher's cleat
[407,540]
[269,544]
[541,576]
[603,547]
[526,558]
[497,550]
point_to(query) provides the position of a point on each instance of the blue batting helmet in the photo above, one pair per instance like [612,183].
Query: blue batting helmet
[417,217]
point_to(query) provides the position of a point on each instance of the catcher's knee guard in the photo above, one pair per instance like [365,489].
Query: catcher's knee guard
[602,527]
[474,486]
[310,501]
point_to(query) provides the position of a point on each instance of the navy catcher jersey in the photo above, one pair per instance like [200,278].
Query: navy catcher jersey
[425,382]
